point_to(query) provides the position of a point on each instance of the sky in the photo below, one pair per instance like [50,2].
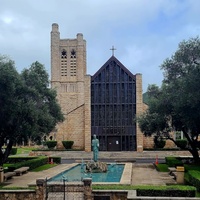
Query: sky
[144,32]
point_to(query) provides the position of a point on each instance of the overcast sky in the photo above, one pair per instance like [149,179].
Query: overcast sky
[144,32]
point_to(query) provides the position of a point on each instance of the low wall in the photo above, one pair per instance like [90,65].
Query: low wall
[18,194]
[78,191]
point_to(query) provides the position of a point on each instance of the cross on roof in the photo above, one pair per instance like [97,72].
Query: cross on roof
[113,49]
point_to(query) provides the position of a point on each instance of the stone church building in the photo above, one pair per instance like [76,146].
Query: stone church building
[104,104]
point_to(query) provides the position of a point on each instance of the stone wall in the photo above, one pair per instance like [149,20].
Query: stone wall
[139,110]
[18,195]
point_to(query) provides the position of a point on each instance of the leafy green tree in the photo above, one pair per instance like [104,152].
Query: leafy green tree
[176,104]
[28,107]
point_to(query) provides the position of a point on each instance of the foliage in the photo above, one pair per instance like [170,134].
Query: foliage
[68,144]
[32,164]
[173,161]
[145,98]
[189,167]
[51,144]
[182,143]
[55,159]
[161,167]
[170,191]
[13,151]
[17,159]
[152,190]
[159,142]
[2,187]
[29,108]
[175,106]
[194,178]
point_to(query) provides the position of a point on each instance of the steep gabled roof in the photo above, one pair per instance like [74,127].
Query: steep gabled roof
[111,59]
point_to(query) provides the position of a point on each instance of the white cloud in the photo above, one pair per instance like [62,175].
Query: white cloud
[144,32]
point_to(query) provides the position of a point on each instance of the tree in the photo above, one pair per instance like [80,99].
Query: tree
[176,104]
[28,107]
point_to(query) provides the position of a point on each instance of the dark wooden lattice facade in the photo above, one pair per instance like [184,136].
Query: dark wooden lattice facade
[113,107]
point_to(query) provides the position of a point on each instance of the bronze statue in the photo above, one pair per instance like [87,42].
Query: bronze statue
[95,148]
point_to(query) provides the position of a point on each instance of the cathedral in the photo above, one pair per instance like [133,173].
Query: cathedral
[104,104]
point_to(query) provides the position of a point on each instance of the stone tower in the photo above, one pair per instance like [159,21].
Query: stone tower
[68,77]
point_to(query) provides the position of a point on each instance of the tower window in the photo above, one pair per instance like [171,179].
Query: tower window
[73,63]
[73,54]
[63,63]
[64,54]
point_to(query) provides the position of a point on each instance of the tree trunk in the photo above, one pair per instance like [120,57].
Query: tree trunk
[195,155]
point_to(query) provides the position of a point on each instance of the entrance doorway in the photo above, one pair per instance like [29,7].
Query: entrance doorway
[113,143]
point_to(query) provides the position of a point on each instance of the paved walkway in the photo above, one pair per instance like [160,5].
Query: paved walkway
[146,174]
[142,174]
[116,155]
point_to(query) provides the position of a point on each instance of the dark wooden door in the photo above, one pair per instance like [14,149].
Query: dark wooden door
[113,143]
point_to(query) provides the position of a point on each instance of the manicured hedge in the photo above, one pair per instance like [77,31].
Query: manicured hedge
[68,144]
[32,164]
[55,159]
[173,161]
[150,190]
[168,191]
[20,159]
[51,144]
[194,178]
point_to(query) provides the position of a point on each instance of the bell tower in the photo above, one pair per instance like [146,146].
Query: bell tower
[68,77]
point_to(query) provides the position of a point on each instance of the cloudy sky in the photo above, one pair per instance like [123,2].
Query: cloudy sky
[144,32]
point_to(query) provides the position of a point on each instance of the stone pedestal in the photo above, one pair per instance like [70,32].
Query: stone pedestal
[40,189]
[88,189]
[180,175]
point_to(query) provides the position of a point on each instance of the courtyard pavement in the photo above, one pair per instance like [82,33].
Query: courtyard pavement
[142,173]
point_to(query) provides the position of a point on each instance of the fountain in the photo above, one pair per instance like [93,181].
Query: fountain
[96,171]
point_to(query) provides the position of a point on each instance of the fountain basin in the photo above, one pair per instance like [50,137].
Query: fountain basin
[116,174]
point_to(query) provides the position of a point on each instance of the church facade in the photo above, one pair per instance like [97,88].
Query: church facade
[104,104]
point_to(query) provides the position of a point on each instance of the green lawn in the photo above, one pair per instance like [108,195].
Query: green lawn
[24,150]
[44,167]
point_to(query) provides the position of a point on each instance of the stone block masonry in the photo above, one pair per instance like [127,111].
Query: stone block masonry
[68,72]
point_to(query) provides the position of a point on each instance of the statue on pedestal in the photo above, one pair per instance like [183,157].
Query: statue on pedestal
[95,148]
[94,166]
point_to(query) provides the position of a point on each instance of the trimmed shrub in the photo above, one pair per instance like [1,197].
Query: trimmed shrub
[13,151]
[68,144]
[56,159]
[194,178]
[51,144]
[167,191]
[153,190]
[15,159]
[182,143]
[173,161]
[32,164]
